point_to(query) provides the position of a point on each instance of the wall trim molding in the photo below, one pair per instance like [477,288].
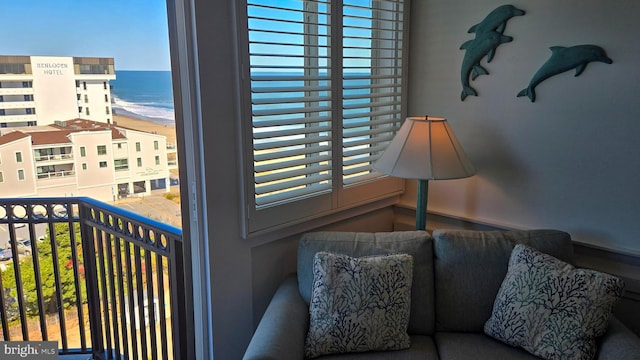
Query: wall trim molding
[497,225]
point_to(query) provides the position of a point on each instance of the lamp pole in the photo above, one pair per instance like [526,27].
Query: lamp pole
[421,204]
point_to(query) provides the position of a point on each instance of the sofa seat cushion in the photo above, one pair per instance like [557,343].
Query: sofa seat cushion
[418,244]
[467,346]
[550,308]
[422,348]
[470,267]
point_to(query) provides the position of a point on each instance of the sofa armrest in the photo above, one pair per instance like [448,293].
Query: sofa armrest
[619,343]
[283,328]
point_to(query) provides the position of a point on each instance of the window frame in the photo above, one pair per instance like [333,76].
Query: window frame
[379,191]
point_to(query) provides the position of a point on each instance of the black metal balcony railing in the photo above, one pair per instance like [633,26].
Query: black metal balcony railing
[99,280]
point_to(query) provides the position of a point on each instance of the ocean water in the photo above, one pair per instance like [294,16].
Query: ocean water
[145,95]
[149,95]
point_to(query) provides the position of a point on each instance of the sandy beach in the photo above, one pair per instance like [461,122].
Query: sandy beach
[146,125]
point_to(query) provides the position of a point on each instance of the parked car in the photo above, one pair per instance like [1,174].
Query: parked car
[24,247]
[6,254]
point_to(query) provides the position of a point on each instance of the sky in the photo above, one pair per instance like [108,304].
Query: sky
[133,32]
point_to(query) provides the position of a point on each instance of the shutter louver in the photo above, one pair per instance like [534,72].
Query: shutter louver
[291,99]
[372,83]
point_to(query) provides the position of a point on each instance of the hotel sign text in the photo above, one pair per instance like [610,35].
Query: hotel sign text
[52,68]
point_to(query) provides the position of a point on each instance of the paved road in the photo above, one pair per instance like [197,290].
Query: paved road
[155,206]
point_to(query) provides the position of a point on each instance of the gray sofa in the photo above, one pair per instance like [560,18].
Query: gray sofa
[457,275]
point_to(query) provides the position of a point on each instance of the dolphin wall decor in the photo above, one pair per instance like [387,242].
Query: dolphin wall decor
[476,49]
[564,59]
[488,36]
[496,21]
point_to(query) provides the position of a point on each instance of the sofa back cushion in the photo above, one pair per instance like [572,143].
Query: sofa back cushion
[471,265]
[418,244]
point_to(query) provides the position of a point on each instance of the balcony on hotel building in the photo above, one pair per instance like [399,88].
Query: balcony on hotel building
[55,155]
[56,174]
[102,282]
[55,163]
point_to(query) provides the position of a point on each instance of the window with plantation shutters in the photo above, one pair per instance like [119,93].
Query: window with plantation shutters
[323,83]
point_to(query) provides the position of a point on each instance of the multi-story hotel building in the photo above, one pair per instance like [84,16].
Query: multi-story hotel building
[82,158]
[40,90]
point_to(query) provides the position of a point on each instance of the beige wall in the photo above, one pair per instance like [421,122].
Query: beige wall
[95,93]
[149,170]
[94,175]
[54,88]
[101,183]
[566,161]
[11,185]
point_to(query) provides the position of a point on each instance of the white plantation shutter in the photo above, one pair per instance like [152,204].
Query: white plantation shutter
[324,101]
[291,99]
[372,83]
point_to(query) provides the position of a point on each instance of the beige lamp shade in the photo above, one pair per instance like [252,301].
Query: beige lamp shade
[425,148]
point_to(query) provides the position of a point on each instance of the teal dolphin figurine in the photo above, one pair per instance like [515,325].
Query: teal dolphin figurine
[564,59]
[496,21]
[476,49]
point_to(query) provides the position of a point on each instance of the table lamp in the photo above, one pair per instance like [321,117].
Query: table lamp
[425,148]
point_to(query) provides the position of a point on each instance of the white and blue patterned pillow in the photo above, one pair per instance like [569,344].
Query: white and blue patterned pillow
[550,308]
[359,304]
